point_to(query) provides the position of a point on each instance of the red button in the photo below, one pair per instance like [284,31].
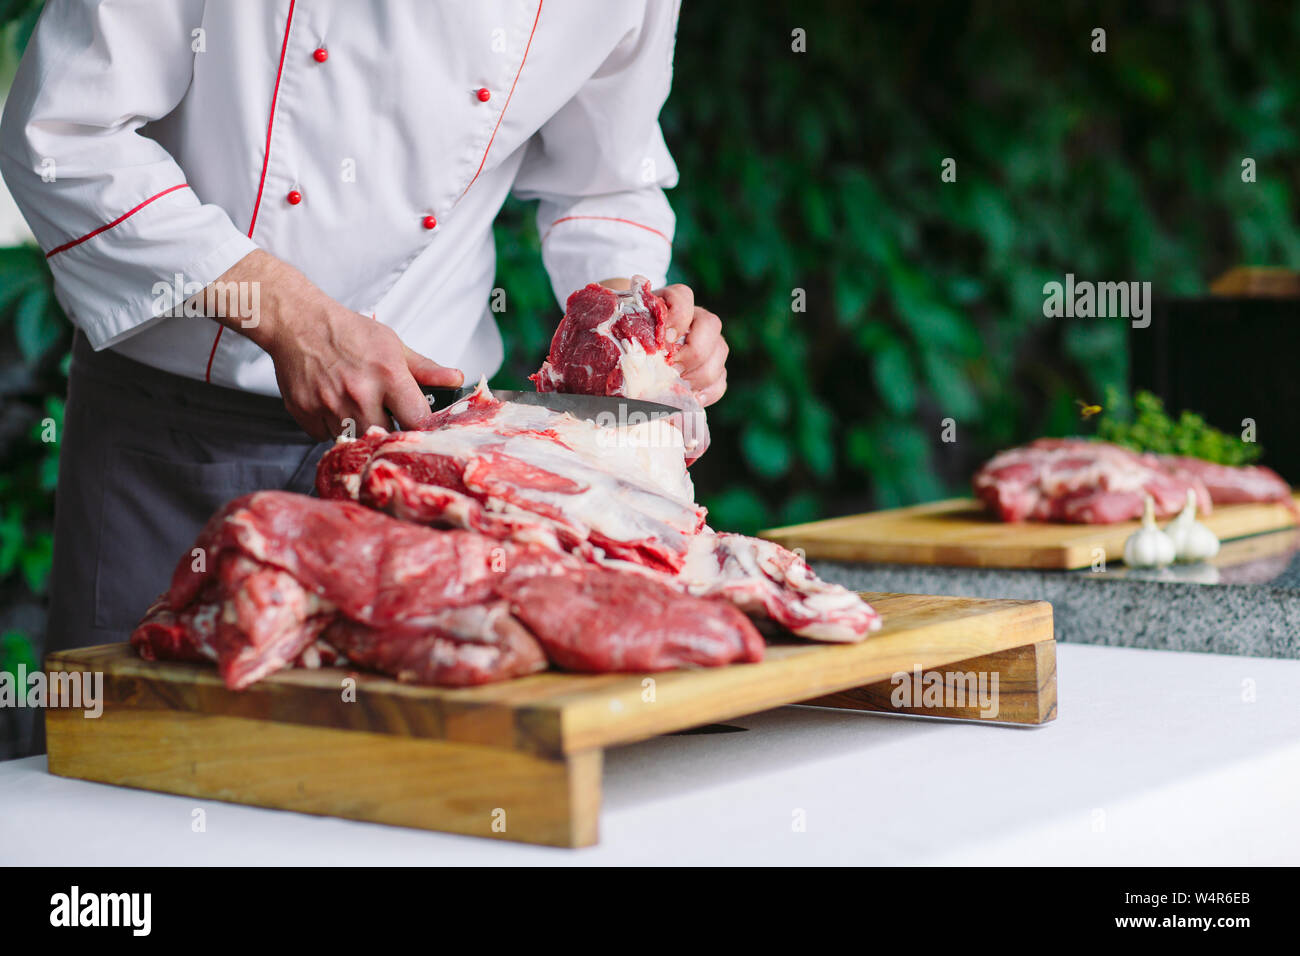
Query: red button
[484,95]
[294,197]
[321,55]
[430,222]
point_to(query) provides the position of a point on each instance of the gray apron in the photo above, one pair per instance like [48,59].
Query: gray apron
[145,458]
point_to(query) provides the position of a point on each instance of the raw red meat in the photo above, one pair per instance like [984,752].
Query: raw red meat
[284,578]
[523,473]
[592,620]
[612,344]
[529,474]
[283,575]
[766,580]
[458,646]
[1080,481]
[1228,484]
[1093,482]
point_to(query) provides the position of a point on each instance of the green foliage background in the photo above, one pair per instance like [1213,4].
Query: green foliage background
[820,171]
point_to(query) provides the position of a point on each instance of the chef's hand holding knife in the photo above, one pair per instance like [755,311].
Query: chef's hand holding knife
[333,365]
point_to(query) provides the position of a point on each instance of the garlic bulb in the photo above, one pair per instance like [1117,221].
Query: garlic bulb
[1192,540]
[1148,546]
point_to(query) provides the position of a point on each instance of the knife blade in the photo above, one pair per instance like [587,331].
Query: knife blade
[602,409]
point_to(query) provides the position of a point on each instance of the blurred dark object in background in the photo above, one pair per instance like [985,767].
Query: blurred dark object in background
[1257,282]
[1229,359]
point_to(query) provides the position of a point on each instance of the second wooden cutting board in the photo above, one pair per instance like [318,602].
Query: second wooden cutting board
[958,532]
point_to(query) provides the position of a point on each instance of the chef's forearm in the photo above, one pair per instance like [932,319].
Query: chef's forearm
[262,298]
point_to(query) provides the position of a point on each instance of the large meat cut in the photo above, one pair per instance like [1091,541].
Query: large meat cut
[600,620]
[278,578]
[1229,484]
[1094,482]
[528,473]
[534,475]
[769,581]
[612,343]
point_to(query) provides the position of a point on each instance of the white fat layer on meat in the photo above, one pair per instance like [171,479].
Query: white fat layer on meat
[642,510]
[761,577]
[648,376]
[652,450]
[645,375]
[249,536]
[204,626]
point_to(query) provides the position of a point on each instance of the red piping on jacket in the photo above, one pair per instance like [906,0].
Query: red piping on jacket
[266,160]
[120,219]
[629,222]
[506,105]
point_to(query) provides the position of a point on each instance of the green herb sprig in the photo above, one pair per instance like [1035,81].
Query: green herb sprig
[1152,429]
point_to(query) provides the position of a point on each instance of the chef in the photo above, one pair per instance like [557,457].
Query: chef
[271,222]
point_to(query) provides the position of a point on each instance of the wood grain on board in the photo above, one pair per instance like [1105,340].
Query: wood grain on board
[517,760]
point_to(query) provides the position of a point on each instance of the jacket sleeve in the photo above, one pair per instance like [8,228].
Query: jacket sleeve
[110,206]
[599,166]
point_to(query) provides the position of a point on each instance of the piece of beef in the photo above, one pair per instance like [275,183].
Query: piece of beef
[267,619]
[599,620]
[455,647]
[1081,481]
[374,569]
[1228,484]
[166,633]
[529,474]
[279,578]
[525,473]
[766,580]
[612,344]
[274,574]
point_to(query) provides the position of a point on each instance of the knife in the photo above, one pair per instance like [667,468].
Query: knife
[600,409]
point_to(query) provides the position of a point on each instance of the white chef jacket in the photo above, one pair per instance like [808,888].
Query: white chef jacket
[370,143]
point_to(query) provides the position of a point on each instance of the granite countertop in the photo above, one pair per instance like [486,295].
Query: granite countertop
[1245,601]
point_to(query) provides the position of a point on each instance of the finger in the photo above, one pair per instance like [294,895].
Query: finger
[364,406]
[428,372]
[680,300]
[374,416]
[311,423]
[349,423]
[706,339]
[708,372]
[406,402]
[325,429]
[711,393]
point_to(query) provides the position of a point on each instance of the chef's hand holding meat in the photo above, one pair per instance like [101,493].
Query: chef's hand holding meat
[619,343]
[701,356]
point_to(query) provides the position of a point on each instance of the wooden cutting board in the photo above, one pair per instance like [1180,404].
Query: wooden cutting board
[958,532]
[519,760]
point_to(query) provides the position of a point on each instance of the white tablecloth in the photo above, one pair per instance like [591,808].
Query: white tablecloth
[1156,758]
